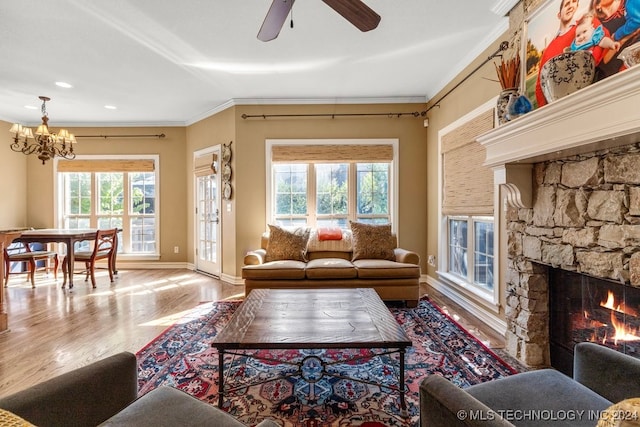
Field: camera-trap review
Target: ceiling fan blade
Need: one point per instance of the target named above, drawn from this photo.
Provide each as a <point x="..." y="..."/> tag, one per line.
<point x="274" y="20"/>
<point x="356" y="12"/>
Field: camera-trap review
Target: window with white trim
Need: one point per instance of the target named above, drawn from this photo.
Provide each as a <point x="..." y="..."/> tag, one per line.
<point x="467" y="208"/>
<point x="329" y="185"/>
<point x="112" y="193"/>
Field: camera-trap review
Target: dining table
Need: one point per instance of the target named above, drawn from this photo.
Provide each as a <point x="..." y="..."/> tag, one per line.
<point x="67" y="236"/>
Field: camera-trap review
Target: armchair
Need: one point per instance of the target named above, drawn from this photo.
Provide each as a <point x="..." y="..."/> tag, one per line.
<point x="106" y="393"/>
<point x="601" y="377"/>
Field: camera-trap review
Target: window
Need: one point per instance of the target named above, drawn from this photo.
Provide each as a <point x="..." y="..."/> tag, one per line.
<point x="467" y="197"/>
<point x="323" y="185"/>
<point x="470" y="250"/>
<point x="103" y="197"/>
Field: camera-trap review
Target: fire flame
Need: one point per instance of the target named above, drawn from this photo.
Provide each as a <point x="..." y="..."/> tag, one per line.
<point x="622" y="332"/>
<point x="610" y="303"/>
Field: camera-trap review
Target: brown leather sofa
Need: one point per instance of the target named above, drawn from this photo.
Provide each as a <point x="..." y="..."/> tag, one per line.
<point x="330" y="265"/>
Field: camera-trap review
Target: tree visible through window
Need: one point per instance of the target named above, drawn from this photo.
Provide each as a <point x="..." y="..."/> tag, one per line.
<point x="331" y="194"/>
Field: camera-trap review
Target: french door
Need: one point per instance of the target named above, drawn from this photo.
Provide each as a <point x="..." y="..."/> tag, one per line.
<point x="207" y="218"/>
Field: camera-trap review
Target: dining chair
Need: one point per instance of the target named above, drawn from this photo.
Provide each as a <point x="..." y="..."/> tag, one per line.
<point x="104" y="245"/>
<point x="19" y="252"/>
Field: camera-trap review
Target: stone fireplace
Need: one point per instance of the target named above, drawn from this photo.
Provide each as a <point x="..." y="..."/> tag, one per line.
<point x="570" y="175"/>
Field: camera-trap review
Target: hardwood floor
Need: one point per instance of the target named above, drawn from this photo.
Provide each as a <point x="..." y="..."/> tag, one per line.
<point x="52" y="331"/>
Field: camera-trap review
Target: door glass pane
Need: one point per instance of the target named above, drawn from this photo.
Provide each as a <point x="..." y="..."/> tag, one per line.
<point x="207" y="218"/>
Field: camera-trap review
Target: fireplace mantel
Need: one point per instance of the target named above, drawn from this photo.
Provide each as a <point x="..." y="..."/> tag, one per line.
<point x="603" y="115"/>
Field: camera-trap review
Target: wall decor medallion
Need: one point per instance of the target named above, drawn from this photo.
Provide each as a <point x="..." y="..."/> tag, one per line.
<point x="227" y="191"/>
<point x="226" y="153"/>
<point x="226" y="171"/>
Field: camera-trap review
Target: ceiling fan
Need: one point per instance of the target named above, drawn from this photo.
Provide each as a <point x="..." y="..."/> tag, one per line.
<point x="354" y="11"/>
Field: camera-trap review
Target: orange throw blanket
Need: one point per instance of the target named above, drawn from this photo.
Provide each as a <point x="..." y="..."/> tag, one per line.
<point x="326" y="233"/>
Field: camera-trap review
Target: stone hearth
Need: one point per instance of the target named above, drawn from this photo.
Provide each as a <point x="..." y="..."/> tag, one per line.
<point x="585" y="218"/>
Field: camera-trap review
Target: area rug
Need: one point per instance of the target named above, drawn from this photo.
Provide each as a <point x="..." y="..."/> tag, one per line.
<point x="182" y="357"/>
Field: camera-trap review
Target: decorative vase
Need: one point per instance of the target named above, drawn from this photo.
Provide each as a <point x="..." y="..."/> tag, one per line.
<point x="503" y="101"/>
<point x="566" y="73"/>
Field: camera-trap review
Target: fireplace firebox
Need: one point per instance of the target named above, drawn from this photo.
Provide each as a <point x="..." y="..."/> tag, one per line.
<point x="584" y="308"/>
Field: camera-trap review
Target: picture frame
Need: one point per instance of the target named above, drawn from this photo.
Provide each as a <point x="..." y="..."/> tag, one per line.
<point x="542" y="29"/>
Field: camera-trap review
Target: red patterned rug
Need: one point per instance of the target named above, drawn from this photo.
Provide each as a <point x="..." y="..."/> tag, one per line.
<point x="182" y="357"/>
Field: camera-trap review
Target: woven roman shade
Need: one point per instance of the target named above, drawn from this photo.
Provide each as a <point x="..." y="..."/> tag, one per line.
<point x="202" y="164"/>
<point x="468" y="186"/>
<point x="331" y="153"/>
<point x="106" y="165"/>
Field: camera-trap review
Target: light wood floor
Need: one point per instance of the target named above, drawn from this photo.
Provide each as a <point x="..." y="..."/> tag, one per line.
<point x="52" y="331"/>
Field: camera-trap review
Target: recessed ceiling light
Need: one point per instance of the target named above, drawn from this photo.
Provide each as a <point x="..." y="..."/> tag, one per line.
<point x="31" y="107"/>
<point x="110" y="107"/>
<point x="64" y="85"/>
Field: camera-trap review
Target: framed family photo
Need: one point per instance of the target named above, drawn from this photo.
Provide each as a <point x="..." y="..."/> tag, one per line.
<point x="603" y="27"/>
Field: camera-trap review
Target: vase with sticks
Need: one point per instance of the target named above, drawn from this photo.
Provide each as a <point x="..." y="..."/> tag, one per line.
<point x="509" y="77"/>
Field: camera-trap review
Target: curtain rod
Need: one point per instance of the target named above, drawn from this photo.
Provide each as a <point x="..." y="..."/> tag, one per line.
<point x="333" y="115"/>
<point x="159" y="136"/>
<point x="503" y="46"/>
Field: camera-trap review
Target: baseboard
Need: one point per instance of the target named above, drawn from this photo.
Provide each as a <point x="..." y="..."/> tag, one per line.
<point x="151" y="265"/>
<point x="488" y="318"/>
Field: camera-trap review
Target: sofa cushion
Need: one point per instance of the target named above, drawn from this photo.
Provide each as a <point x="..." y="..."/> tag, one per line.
<point x="287" y="244"/>
<point x="167" y="406"/>
<point x="544" y="389"/>
<point x="330" y="268"/>
<point x="385" y="269"/>
<point x="372" y="241"/>
<point x="285" y="269"/>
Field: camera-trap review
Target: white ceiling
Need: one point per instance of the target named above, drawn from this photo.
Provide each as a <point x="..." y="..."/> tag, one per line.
<point x="169" y="62"/>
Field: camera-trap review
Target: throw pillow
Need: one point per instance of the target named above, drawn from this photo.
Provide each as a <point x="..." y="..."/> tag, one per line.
<point x="372" y="241"/>
<point x="9" y="419"/>
<point x="621" y="414"/>
<point x="287" y="245"/>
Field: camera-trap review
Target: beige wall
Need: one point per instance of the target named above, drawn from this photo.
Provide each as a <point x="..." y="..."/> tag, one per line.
<point x="215" y="130"/>
<point x="479" y="88"/>
<point x="13" y="182"/>
<point x="249" y="167"/>
<point x="173" y="201"/>
<point x="243" y="225"/>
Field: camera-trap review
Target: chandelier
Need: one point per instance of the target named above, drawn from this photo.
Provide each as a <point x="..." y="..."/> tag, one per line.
<point x="45" y="144"/>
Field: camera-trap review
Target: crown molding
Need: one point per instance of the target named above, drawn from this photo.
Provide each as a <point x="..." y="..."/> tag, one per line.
<point x="503" y="7"/>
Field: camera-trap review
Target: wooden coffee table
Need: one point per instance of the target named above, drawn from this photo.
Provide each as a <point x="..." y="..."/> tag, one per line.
<point x="313" y="319"/>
